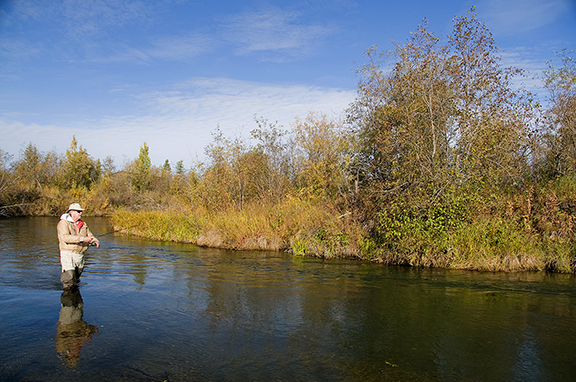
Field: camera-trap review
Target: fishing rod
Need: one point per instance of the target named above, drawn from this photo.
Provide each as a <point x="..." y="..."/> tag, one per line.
<point x="92" y="243"/>
<point x="117" y="230"/>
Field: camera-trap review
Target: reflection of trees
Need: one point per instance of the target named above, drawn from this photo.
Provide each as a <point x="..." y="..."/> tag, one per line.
<point x="291" y="314"/>
<point x="252" y="298"/>
<point x="16" y="240"/>
<point x="73" y="332"/>
<point x="397" y="324"/>
<point x="138" y="267"/>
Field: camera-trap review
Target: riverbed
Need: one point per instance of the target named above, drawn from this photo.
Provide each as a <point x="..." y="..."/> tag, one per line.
<point x="156" y="311"/>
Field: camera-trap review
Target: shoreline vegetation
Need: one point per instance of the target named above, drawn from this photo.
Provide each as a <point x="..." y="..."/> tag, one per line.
<point x="529" y="232"/>
<point x="439" y="162"/>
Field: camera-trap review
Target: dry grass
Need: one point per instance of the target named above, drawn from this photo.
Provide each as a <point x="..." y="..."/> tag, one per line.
<point x="311" y="225"/>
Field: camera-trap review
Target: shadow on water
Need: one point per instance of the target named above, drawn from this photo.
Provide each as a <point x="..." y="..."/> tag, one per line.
<point x="151" y="311"/>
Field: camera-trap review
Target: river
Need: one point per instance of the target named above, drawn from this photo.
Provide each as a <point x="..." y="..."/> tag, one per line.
<point x="154" y="311"/>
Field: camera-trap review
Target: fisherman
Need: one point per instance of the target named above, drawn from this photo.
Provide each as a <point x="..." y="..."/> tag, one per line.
<point x="74" y="238"/>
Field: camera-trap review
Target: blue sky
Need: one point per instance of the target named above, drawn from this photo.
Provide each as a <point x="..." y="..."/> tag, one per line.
<point x="117" y="73"/>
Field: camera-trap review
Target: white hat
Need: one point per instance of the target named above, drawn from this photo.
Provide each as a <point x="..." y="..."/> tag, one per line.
<point x="75" y="207"/>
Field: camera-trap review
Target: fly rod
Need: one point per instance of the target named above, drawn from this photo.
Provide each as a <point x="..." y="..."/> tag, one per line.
<point x="117" y="230"/>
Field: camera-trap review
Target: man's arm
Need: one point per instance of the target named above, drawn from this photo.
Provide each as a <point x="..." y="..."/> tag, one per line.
<point x="65" y="235"/>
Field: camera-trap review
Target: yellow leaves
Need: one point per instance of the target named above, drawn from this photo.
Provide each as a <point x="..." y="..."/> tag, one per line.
<point x="321" y="151"/>
<point x="561" y="117"/>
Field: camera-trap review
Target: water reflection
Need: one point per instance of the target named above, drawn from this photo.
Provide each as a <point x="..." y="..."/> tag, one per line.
<point x="73" y="332"/>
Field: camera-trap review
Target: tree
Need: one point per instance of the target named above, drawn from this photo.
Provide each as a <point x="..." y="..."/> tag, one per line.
<point x="443" y="116"/>
<point x="79" y="169"/>
<point x="494" y="120"/>
<point x="180" y="167"/>
<point x="404" y="117"/>
<point x="561" y="116"/>
<point x="108" y="166"/>
<point x="166" y="166"/>
<point x="36" y="169"/>
<point x="239" y="173"/>
<point x="217" y="188"/>
<point x="6" y="181"/>
<point x="141" y="171"/>
<point x="271" y="152"/>
<point x="321" y="156"/>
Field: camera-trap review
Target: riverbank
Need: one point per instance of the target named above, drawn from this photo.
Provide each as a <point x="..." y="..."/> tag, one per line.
<point x="522" y="231"/>
<point x="300" y="226"/>
<point x="308" y="228"/>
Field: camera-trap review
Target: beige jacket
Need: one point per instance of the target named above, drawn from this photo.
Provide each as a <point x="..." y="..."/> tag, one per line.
<point x="70" y="237"/>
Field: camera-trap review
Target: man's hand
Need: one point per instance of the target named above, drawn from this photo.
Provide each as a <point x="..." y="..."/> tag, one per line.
<point x="91" y="241"/>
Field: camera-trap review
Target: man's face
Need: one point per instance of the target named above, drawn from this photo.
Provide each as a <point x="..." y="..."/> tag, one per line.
<point x="75" y="215"/>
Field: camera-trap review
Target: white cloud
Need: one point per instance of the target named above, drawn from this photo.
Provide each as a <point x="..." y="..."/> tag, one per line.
<point x="278" y="33"/>
<point x="106" y="31"/>
<point x="90" y="17"/>
<point x="518" y="16"/>
<point x="17" y="50"/>
<point x="173" y="48"/>
<point x="178" y="122"/>
<point x="181" y="47"/>
<point x="71" y="30"/>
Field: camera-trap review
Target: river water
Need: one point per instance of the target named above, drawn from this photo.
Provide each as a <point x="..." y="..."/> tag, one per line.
<point x="153" y="311"/>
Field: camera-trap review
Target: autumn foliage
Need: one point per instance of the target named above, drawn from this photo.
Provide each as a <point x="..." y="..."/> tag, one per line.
<point x="441" y="160"/>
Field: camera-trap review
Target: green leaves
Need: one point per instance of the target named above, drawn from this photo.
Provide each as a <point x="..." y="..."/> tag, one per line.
<point x="141" y="172"/>
<point x="561" y="117"/>
<point x="79" y="169"/>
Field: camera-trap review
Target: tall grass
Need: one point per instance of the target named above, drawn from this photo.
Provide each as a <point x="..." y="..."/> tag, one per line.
<point x="304" y="226"/>
<point x="156" y="224"/>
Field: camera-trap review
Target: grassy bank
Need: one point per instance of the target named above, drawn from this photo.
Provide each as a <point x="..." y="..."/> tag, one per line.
<point x="527" y="232"/>
<point x="302" y="226"/>
<point x="487" y="244"/>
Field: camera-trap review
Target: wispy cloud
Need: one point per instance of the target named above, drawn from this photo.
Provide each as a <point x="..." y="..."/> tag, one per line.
<point x="111" y="31"/>
<point x="69" y="30"/>
<point x="176" y="123"/>
<point x="95" y="17"/>
<point x="171" y="48"/>
<point x="17" y="50"/>
<point x="275" y="34"/>
<point x="519" y="16"/>
<point x="182" y="47"/>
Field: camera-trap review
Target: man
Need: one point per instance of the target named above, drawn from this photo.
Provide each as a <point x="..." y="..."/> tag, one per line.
<point x="74" y="238"/>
